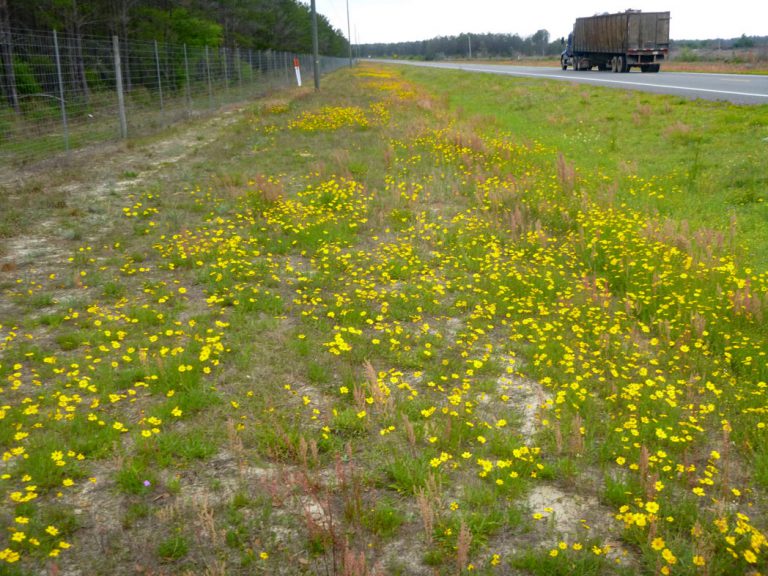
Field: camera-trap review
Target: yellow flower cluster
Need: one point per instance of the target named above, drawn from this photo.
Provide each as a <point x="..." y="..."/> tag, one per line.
<point x="330" y="118"/>
<point x="618" y="321"/>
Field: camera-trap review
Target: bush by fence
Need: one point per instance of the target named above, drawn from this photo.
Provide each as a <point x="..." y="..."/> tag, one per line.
<point x="61" y="92"/>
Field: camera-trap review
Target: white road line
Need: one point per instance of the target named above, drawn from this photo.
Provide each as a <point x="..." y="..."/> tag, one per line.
<point x="665" y="86"/>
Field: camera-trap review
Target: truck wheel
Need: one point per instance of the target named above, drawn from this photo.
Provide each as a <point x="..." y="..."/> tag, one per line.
<point x="563" y="63"/>
<point x="621" y="64"/>
<point x="614" y="67"/>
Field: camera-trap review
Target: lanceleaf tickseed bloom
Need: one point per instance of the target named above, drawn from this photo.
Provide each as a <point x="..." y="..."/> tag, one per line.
<point x="330" y="118"/>
<point x="668" y="556"/>
<point x="652" y="507"/>
<point x="9" y="556"/>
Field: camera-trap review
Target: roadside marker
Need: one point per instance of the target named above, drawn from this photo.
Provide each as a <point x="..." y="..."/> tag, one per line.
<point x="297" y="67"/>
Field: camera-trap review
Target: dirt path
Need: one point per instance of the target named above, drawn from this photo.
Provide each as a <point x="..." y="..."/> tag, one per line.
<point x="57" y="207"/>
<point x="86" y="188"/>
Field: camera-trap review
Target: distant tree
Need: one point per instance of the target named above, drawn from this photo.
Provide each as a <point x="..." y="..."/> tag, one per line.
<point x="744" y="42"/>
<point x="6" y="58"/>
<point x="73" y="17"/>
<point x="540" y="41"/>
<point x="177" y="26"/>
<point x="119" y="17"/>
<point x="485" y="45"/>
<point x="262" y="24"/>
<point x="517" y="45"/>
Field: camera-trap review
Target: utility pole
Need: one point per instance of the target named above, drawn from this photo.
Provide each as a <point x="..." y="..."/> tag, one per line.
<point x="349" y="35"/>
<point x="469" y="42"/>
<point x="315" y="48"/>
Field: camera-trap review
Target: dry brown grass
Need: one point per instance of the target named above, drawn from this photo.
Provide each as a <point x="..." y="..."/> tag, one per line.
<point x="718" y="67"/>
<point x="750" y="63"/>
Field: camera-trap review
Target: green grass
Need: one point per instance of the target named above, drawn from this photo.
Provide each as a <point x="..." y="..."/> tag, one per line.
<point x="136" y="512"/>
<point x="178" y="448"/>
<point x="406" y="474"/>
<point x="135" y="478"/>
<point x="173" y="549"/>
<point x="582" y="563"/>
<point x="384" y="519"/>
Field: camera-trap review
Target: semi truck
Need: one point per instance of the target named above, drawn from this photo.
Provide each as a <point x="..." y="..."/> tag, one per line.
<point x="618" y="42"/>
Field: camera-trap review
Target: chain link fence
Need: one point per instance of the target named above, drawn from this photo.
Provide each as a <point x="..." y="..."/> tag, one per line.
<point x="62" y="92"/>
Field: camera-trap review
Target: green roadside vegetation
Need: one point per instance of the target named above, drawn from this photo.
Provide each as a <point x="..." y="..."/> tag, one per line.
<point x="706" y="159"/>
<point x="420" y="322"/>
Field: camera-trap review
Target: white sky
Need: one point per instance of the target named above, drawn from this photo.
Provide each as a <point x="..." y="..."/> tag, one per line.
<point x="405" y="20"/>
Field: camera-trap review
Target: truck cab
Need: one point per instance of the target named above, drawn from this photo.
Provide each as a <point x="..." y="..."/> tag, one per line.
<point x="567" y="54"/>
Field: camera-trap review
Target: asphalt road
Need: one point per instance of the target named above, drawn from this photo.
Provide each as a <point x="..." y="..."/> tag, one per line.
<point x="736" y="88"/>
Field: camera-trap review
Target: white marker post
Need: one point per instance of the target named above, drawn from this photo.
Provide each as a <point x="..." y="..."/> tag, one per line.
<point x="297" y="67"/>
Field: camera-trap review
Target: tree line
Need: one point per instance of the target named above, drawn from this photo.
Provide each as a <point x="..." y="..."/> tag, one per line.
<point x="259" y="24"/>
<point x="487" y="45"/>
<point x="277" y="25"/>
<point x="743" y="41"/>
<point x="514" y="45"/>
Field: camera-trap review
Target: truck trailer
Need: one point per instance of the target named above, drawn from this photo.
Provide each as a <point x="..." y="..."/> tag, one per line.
<point x="618" y="42"/>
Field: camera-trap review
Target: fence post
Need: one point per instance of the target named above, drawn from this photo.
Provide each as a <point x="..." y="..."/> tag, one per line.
<point x="288" y="70"/>
<point x="159" y="79"/>
<point x="119" y="87"/>
<point x="61" y="92"/>
<point x="239" y="72"/>
<point x="187" y="87"/>
<point x="226" y="72"/>
<point x="208" y="73"/>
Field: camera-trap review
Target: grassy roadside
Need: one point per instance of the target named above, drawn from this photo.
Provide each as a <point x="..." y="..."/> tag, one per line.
<point x="363" y="334"/>
<point x="702" y="165"/>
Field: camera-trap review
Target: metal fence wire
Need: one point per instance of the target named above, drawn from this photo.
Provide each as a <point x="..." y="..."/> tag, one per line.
<point x="60" y="92"/>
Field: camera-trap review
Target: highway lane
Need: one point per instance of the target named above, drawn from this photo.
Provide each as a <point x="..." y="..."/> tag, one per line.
<point x="736" y="88"/>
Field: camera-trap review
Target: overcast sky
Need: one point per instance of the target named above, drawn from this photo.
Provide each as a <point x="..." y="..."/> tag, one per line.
<point x="404" y="20"/>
